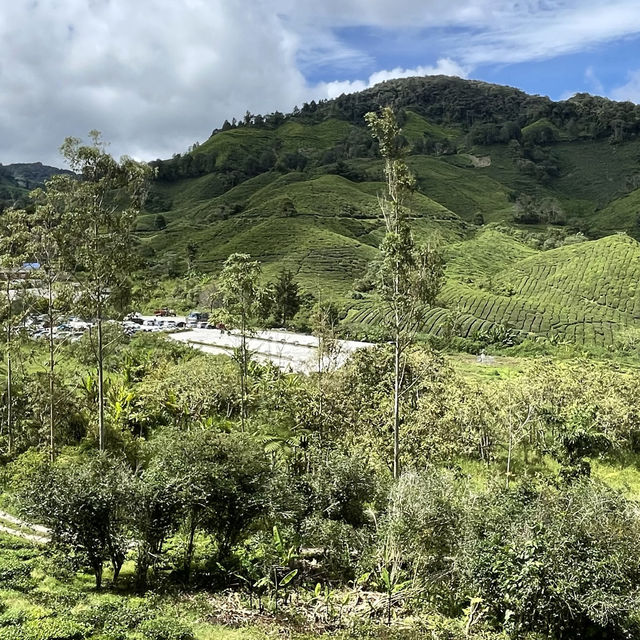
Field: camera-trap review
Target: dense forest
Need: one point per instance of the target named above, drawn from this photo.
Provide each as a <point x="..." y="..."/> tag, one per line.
<point x="471" y="472"/>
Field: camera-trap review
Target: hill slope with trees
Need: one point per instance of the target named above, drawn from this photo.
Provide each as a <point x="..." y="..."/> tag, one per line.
<point x="300" y="191"/>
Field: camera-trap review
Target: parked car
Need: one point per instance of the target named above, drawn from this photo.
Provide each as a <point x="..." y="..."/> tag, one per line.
<point x="196" y="318"/>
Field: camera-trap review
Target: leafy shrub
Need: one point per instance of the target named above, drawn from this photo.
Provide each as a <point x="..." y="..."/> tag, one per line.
<point x="165" y="629"/>
<point x="12" y="616"/>
<point x="344" y="548"/>
<point x="15" y="572"/>
<point x="421" y="528"/>
<point x="12" y="633"/>
<point x="54" y="629"/>
<point x="113" y="616"/>
<point x="343" y="485"/>
<point x="555" y="561"/>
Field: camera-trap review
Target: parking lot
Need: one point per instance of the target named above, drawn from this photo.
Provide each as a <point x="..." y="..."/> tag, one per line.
<point x="295" y="352"/>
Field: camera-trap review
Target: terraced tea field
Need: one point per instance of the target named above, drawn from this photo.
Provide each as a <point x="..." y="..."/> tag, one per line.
<point x="585" y="293"/>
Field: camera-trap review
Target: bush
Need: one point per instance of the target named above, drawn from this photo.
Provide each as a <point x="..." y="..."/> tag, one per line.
<point x="343" y="486"/>
<point x="54" y="629"/>
<point x="421" y="527"/>
<point x="555" y="561"/>
<point x="113" y="616"/>
<point x="15" y="572"/>
<point x="165" y="629"/>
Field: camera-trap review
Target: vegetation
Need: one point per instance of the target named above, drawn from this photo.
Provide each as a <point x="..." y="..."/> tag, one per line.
<point x="151" y="491"/>
<point x="299" y="193"/>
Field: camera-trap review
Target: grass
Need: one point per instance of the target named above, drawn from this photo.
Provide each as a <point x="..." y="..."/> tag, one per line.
<point x="40" y="599"/>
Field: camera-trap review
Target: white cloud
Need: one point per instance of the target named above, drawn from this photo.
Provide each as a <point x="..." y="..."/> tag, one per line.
<point x="156" y="75"/>
<point x="593" y="80"/>
<point x="536" y="30"/>
<point x="630" y="90"/>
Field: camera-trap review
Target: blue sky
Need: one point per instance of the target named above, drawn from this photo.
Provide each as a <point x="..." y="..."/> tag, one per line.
<point x="599" y="68"/>
<point x="155" y="76"/>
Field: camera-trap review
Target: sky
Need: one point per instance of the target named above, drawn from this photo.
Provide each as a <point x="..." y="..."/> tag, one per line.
<point x="155" y="76"/>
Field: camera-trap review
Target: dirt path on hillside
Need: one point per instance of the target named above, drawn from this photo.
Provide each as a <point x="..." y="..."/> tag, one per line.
<point x="22" y="529"/>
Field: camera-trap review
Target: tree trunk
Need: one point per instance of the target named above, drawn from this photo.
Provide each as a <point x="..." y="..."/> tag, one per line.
<point x="101" y="430"/>
<point x="9" y="403"/>
<point x="396" y="409"/>
<point x="189" y="556"/>
<point x="9" y="374"/>
<point x="97" y="572"/>
<point x="143" y="562"/>
<point x="243" y="374"/>
<point x="52" y="451"/>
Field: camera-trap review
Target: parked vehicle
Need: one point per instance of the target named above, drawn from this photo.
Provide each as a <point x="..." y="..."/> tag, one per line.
<point x="196" y="318"/>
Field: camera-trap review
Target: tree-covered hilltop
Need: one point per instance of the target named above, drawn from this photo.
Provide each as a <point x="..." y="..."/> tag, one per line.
<point x="16" y="180"/>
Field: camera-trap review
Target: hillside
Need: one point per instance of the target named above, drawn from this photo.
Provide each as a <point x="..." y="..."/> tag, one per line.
<point x="300" y="190"/>
<point x="16" y="180"/>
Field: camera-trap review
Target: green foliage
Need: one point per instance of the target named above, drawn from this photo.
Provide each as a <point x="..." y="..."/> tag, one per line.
<point x="84" y="503"/>
<point x="286" y="298"/>
<point x="343" y="487"/>
<point x="226" y="196"/>
<point x="421" y="527"/>
<point x="553" y="561"/>
<point x="165" y="629"/>
<point x="220" y="484"/>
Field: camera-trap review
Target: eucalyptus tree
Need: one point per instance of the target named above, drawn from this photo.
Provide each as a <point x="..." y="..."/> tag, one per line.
<point x="100" y="202"/>
<point x="13" y="253"/>
<point x="410" y="276"/>
<point x="44" y="226"/>
<point x="238" y="284"/>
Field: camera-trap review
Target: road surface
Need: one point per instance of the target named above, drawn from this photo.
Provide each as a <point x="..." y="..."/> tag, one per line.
<point x="295" y="352"/>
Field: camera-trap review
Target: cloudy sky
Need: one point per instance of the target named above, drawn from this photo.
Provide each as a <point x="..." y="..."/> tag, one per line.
<point x="157" y="75"/>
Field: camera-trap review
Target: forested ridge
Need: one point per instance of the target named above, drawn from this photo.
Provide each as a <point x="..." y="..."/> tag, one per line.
<point x="469" y="472"/>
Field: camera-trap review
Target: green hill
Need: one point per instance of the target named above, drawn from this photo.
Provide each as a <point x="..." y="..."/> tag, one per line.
<point x="301" y="190"/>
<point x="584" y="292"/>
<point x="16" y="180"/>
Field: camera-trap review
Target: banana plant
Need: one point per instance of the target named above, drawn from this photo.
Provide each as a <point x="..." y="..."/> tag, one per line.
<point x="389" y="580"/>
<point x="275" y="579"/>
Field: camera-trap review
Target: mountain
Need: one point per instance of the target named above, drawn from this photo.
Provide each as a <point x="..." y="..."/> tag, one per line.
<point x="518" y="188"/>
<point x="16" y="180"/>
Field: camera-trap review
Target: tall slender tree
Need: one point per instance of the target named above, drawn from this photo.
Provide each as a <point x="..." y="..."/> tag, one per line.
<point x="101" y="203"/>
<point x="410" y="276"/>
<point x="13" y="252"/>
<point x="46" y="239"/>
<point x="239" y="289"/>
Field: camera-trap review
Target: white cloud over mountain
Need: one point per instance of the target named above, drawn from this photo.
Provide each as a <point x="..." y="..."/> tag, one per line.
<point x="156" y="75"/>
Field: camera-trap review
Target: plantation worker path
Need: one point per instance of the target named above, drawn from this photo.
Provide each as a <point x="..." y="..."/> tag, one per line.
<point x="22" y="529"/>
<point x="295" y="352"/>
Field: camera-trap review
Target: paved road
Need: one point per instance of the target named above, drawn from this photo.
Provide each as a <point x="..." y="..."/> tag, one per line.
<point x="296" y="352"/>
